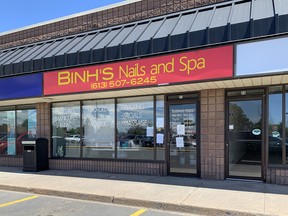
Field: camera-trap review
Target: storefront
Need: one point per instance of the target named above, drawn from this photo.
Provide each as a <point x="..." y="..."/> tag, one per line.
<point x="154" y="128"/>
<point x="215" y="112"/>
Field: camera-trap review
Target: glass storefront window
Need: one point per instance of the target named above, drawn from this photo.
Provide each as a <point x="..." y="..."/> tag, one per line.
<point x="286" y="127"/>
<point x="3" y="132"/>
<point x="89" y="131"/>
<point x="160" y="132"/>
<point x="98" y="118"/>
<point x="16" y="125"/>
<point x="135" y="133"/>
<point x="275" y="125"/>
<point x="7" y="141"/>
<point x="66" y="129"/>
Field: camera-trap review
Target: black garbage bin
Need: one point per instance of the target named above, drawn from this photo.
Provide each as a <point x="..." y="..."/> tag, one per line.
<point x="35" y="154"/>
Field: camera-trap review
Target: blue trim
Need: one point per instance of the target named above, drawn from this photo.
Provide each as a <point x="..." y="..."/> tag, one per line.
<point x="21" y="86"/>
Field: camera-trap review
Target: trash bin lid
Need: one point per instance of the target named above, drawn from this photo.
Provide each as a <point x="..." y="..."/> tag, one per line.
<point x="27" y="142"/>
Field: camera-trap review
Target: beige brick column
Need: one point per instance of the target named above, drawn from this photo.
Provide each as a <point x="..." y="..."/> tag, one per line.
<point x="43" y="121"/>
<point x="212" y="134"/>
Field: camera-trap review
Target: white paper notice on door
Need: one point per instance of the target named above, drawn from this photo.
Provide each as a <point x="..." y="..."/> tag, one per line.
<point x="180" y="129"/>
<point x="160" y="122"/>
<point x="160" y="138"/>
<point x="179" y="142"/>
<point x="149" y="131"/>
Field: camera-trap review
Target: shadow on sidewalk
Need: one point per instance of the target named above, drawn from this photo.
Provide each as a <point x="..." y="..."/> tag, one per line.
<point x="235" y="185"/>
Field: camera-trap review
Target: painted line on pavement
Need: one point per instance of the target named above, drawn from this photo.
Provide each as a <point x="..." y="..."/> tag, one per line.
<point x="139" y="212"/>
<point x="18" y="201"/>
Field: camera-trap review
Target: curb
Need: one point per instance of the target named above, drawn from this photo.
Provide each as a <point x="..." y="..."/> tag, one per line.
<point x="132" y="202"/>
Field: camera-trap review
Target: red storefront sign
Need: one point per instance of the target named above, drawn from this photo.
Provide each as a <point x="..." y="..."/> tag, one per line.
<point x="182" y="67"/>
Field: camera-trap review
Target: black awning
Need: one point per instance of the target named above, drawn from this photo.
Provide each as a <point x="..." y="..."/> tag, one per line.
<point x="219" y="23"/>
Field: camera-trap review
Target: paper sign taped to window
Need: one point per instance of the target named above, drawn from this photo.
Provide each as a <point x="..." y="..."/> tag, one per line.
<point x="160" y="138"/>
<point x="179" y="142"/>
<point x="181" y="129"/>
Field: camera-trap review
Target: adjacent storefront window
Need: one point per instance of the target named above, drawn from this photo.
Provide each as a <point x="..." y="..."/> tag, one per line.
<point x="98" y="129"/>
<point x="160" y="132"/>
<point x="66" y="129"/>
<point x="135" y="121"/>
<point x="285" y="145"/>
<point x="121" y="128"/>
<point x="275" y="127"/>
<point x="16" y="125"/>
<point x="278" y="125"/>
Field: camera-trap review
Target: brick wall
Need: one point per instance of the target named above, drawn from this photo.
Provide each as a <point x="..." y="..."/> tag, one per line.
<point x="277" y="176"/>
<point x="114" y="16"/>
<point x="11" y="161"/>
<point x="43" y="121"/>
<point x="110" y="166"/>
<point x="212" y="134"/>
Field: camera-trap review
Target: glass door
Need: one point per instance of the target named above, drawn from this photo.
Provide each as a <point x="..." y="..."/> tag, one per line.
<point x="245" y="139"/>
<point x="182" y="138"/>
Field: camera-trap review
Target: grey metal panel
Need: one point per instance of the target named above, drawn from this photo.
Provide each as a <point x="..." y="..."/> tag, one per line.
<point x="121" y="36"/>
<point x="241" y="13"/>
<point x="42" y="47"/>
<point x="58" y="48"/>
<point x="12" y="55"/>
<point x="150" y="30"/>
<point x="7" y="54"/>
<point x="29" y="53"/>
<point x="202" y="20"/>
<point x="221" y="16"/>
<point x="262" y="9"/>
<point x="135" y="34"/>
<point x="16" y="57"/>
<point x="2" y="54"/>
<point x="82" y="43"/>
<point x="94" y="41"/>
<point x="107" y="39"/>
<point x="167" y="27"/>
<point x="281" y="7"/>
<point x="69" y="46"/>
<point x="48" y="49"/>
<point x="184" y="24"/>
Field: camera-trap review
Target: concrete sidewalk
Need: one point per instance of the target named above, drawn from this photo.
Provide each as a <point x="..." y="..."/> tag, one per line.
<point x="190" y="195"/>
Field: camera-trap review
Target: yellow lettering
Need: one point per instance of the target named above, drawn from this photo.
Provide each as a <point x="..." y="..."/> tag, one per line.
<point x="88" y="75"/>
<point x="64" y="78"/>
<point x="169" y="68"/>
<point x="153" y="70"/>
<point x="125" y="72"/>
<point x="78" y="76"/>
<point x="188" y="65"/>
<point x="108" y="72"/>
<point x="183" y="63"/>
<point x="201" y="63"/>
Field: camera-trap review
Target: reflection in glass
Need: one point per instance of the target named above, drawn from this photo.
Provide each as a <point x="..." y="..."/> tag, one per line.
<point x="275" y="128"/>
<point x="98" y="128"/>
<point x="245" y="138"/>
<point x="183" y="145"/>
<point x="26" y="126"/>
<point x="3" y="132"/>
<point x="160" y="151"/>
<point x="135" y="133"/>
<point x="7" y="130"/>
<point x="66" y="129"/>
<point x="13" y="131"/>
<point x="286" y="128"/>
